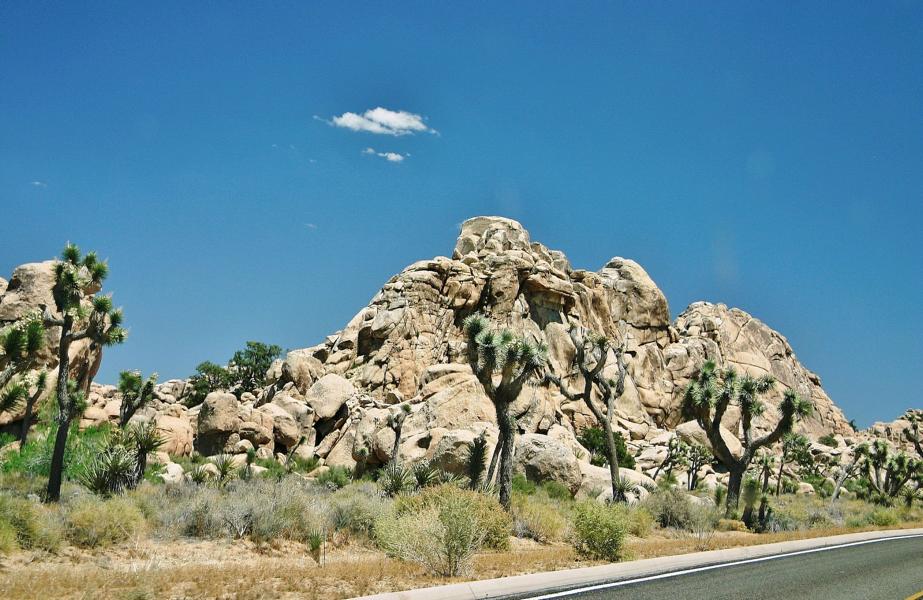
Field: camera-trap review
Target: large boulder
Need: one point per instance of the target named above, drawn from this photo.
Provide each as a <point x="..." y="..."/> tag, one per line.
<point x="541" y="458"/>
<point x="691" y="433"/>
<point x="217" y="421"/>
<point x="177" y="434"/>
<point x="286" y="432"/>
<point x="328" y="394"/>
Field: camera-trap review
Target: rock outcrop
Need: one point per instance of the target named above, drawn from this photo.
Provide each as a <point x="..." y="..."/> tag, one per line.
<point x="334" y="400"/>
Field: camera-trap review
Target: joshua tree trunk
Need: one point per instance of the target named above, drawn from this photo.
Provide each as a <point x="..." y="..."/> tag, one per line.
<point x="27" y="418"/>
<point x="779" y="478"/>
<point x="734" y="482"/>
<point x="491" y="470"/>
<point x="65" y="413"/>
<point x="397" y="443"/>
<point x="505" y="475"/>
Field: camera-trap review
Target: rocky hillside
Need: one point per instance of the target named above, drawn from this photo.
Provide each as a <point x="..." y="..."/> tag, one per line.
<point x="406" y="348"/>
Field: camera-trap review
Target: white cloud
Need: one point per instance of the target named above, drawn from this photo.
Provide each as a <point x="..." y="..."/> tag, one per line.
<point x="311" y="226"/>
<point x="388" y="156"/>
<point x="40" y="184"/>
<point x="381" y="121"/>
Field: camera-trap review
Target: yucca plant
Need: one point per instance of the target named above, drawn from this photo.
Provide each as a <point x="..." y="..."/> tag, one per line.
<point x="750" y="496"/>
<point x="111" y="472"/>
<point x="24" y="390"/>
<point x="395" y="479"/>
<point x="707" y="398"/>
<point x="719" y="494"/>
<point x="503" y="362"/>
<point x="476" y="461"/>
<point x="592" y="353"/>
<point x="81" y="315"/>
<point x="143" y="438"/>
<point x="225" y="465"/>
<point x="424" y="473"/>
<point x="623" y="488"/>
<point x="199" y="474"/>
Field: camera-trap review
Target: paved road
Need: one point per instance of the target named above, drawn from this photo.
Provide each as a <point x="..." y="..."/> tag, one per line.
<point x="887" y="570"/>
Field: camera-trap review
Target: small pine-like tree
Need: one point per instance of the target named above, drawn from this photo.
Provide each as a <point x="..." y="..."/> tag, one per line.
<point x="81" y="316"/>
<point x="476" y="461"/>
<point x="502" y="362"/>
<point x="795" y="447"/>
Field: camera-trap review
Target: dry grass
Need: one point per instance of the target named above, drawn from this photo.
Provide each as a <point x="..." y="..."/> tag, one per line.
<point x="239" y="569"/>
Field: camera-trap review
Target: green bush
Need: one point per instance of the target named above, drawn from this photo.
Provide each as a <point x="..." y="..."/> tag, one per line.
<point x="93" y="523"/>
<point x="594" y="440"/>
<point x="537" y="519"/>
<point x="489" y="515"/>
<point x="356" y="507"/>
<point x="335" y="477"/>
<point x="883" y="517"/>
<point x="599" y="530"/>
<point x="443" y="538"/>
<point x="828" y="440"/>
<point x="8" y="543"/>
<point x="670" y="508"/>
<point x="640" y="521"/>
<point x="556" y="490"/>
<point x="33" y="526"/>
<point x="523" y="485"/>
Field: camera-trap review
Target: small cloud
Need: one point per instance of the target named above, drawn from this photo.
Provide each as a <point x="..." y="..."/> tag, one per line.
<point x="310" y="226"/>
<point x="275" y="145"/>
<point x="39" y="184"/>
<point x="388" y="156"/>
<point x="381" y="121"/>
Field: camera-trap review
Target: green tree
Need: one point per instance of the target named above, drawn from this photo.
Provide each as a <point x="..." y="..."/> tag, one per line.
<point x="795" y="447"/>
<point x="208" y="378"/>
<point x="502" y="362"/>
<point x="82" y="315"/>
<point x="247" y="368"/>
<point x="848" y="470"/>
<point x="697" y="456"/>
<point x="594" y="440"/>
<point x="888" y="472"/>
<point x="707" y="398"/>
<point x="592" y="354"/>
<point x="136" y="393"/>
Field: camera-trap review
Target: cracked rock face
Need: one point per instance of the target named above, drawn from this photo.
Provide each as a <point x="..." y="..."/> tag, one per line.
<point x="408" y="344"/>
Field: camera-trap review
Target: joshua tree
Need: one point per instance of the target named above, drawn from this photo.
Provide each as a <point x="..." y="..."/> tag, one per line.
<point x="860" y="452"/>
<point x="136" y="392"/>
<point x="912" y="434"/>
<point x="396" y="422"/>
<point x="707" y="398"/>
<point x="765" y="463"/>
<point x="887" y="473"/>
<point x="794" y="447"/>
<point x="697" y="456"/>
<point x="83" y="316"/>
<point x="502" y="363"/>
<point x="592" y="353"/>
<point x="20" y="342"/>
<point x="676" y="453"/>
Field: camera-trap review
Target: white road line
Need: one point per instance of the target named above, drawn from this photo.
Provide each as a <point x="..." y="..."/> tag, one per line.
<point x="605" y="586"/>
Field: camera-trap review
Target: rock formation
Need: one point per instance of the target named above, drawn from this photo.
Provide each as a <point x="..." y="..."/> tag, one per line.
<point x="334" y="400"/>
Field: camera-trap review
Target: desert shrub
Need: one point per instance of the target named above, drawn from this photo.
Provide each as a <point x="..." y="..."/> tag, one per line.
<point x="883" y="517"/>
<point x="395" y="479"/>
<point x="93" y="523"/>
<point x="443" y="538"/>
<point x="640" y="521"/>
<point x="537" y="519"/>
<point x="670" y="508"/>
<point x="33" y="526"/>
<point x="599" y="530"/>
<point x="488" y="514"/>
<point x="556" y="490"/>
<point x="730" y="525"/>
<point x="828" y="440"/>
<point x="335" y="477"/>
<point x="523" y="485"/>
<point x="702" y="523"/>
<point x="111" y="472"/>
<point x="8" y="543"/>
<point x="821" y="485"/>
<point x="355" y="508"/>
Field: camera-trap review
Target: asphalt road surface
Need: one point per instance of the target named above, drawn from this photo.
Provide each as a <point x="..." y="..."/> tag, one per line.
<point x="890" y="569"/>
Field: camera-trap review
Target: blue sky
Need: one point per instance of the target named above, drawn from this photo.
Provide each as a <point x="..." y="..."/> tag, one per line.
<point x="766" y="157"/>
